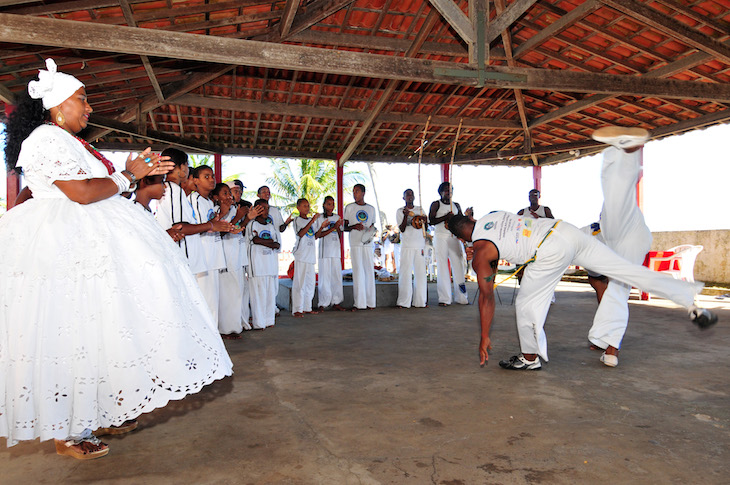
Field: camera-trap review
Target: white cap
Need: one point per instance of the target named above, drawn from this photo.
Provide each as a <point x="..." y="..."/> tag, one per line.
<point x="52" y="86"/>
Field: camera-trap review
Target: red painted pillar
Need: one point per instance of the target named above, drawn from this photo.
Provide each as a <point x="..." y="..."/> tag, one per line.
<point x="640" y="183"/>
<point x="218" y="167"/>
<point x="537" y="177"/>
<point x="340" y="203"/>
<point x="445" y="172"/>
<point x="13" y="179"/>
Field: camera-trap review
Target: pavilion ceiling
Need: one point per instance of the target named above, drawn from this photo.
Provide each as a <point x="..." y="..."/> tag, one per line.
<point x="527" y="80"/>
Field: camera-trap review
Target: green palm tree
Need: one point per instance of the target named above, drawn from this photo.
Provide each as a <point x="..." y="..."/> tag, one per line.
<point x="311" y="179"/>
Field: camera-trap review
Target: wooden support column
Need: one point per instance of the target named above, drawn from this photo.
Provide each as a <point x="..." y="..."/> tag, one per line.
<point x="13" y="179"/>
<point x="218" y="167"/>
<point x="537" y="177"/>
<point x="340" y="204"/>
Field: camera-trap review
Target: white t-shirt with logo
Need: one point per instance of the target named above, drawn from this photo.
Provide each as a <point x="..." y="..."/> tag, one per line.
<point x="232" y="245"/>
<point x="262" y="260"/>
<point x="516" y="237"/>
<point x="204" y="211"/>
<point x="304" y="249"/>
<point x="329" y="245"/>
<point x="411" y="238"/>
<point x="354" y="214"/>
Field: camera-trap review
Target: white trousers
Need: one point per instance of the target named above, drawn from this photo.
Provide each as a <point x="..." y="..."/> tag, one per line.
<point x="412" y="278"/>
<point x="263" y="300"/>
<point x="302" y="289"/>
<point x="363" y="276"/>
<point x="448" y="249"/>
<point x="245" y="299"/>
<point x="568" y="245"/>
<point x="329" y="285"/>
<point x="229" y="302"/>
<point x="209" y="282"/>
<point x="624" y="231"/>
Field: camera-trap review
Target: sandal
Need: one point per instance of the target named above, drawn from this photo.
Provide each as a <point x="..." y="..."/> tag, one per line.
<point x="123" y="428"/>
<point x="87" y="448"/>
<point x="231" y="336"/>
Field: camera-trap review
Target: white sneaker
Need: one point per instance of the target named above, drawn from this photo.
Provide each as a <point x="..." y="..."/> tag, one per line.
<point x="609" y="360"/>
<point x="621" y="137"/>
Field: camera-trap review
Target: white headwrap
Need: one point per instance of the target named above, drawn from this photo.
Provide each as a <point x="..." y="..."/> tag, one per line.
<point x="52" y="86"/>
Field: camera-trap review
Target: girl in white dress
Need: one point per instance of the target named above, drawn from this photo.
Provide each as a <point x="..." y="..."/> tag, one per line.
<point x="101" y="318"/>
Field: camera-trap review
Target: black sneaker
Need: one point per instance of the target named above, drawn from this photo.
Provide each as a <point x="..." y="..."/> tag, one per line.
<point x="702" y="317"/>
<point x="518" y="362"/>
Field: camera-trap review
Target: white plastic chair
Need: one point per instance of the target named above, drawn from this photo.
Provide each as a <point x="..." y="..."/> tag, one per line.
<point x="681" y="263"/>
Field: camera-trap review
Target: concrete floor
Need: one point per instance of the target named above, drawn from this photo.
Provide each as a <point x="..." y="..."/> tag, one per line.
<point x="397" y="396"/>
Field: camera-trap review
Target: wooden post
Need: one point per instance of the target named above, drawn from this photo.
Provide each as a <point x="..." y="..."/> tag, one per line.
<point x="537" y="177"/>
<point x="13" y="179"/>
<point x="340" y="204"/>
<point x="218" y="167"/>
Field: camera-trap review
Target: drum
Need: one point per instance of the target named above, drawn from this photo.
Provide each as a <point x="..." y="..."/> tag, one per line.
<point x="368" y="234"/>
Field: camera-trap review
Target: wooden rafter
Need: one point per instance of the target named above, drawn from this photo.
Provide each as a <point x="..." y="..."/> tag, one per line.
<point x="671" y="27"/>
<point x="129" y="16"/>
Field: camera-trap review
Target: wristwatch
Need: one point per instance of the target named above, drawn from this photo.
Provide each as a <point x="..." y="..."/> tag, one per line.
<point x="132" y="180"/>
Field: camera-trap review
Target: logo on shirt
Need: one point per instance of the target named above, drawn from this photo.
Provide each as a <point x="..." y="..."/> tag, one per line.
<point x="488" y="225"/>
<point x="265" y="235"/>
<point x="269" y="220"/>
<point x="310" y="232"/>
<point x="362" y="216"/>
<point x="211" y="214"/>
<point x="331" y="225"/>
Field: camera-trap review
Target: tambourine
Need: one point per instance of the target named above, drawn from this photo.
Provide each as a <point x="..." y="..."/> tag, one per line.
<point x="368" y="234"/>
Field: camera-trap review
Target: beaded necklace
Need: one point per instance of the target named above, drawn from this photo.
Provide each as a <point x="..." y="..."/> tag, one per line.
<point x="109" y="166"/>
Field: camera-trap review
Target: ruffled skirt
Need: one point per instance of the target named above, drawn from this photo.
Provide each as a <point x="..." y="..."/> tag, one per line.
<point x="100" y="319"/>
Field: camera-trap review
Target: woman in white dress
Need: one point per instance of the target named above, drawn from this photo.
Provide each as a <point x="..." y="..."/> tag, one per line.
<point x="101" y="319"/>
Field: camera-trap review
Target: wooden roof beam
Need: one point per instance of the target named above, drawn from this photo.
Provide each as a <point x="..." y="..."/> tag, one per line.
<point x="519" y="99"/>
<point x="130" y="40"/>
<point x="551" y="30"/>
<point x="133" y="130"/>
<point x="129" y="17"/>
<point x="456" y="18"/>
<point x="506" y="18"/>
<point x="315" y="12"/>
<point x="670" y="27"/>
<point x="287" y="17"/>
<point x="389" y="89"/>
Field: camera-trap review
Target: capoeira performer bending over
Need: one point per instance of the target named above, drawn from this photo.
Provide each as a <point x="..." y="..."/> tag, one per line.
<point x="549" y="247"/>
<point x="622" y="229"/>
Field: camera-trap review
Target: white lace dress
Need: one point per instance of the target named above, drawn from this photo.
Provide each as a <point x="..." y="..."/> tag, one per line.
<point x="100" y="317"/>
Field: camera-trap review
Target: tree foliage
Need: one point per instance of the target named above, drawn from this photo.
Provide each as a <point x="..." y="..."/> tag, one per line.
<point x="311" y="179"/>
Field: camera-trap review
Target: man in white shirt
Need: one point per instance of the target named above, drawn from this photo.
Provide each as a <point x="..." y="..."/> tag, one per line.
<point x="305" y="257"/>
<point x="449" y="250"/>
<point x="547" y="247"/>
<point x="535" y="210"/>
<point x="359" y="221"/>
<point x="330" y="264"/>
<point x="412" y="259"/>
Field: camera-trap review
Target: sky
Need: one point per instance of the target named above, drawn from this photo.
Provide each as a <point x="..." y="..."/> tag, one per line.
<point x="685" y="179"/>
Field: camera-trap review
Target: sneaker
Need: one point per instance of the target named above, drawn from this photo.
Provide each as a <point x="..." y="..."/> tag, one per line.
<point x="609" y="360"/>
<point x="621" y="137"/>
<point x="518" y="362"/>
<point x="702" y="317"/>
